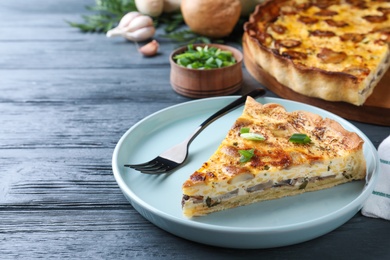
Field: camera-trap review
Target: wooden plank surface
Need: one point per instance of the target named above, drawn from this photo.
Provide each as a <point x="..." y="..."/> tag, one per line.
<point x="65" y="100"/>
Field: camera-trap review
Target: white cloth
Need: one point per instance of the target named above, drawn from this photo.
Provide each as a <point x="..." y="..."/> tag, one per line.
<point x="378" y="203"/>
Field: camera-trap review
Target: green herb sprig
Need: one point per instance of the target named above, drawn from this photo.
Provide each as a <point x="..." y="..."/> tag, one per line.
<point x="107" y="14"/>
<point x="171" y="22"/>
<point x="204" y="58"/>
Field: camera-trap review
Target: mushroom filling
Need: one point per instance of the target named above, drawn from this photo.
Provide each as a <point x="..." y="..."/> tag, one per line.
<point x="212" y="201"/>
<point x="301" y="181"/>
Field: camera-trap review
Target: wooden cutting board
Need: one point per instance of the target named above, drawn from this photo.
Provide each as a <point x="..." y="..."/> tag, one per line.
<point x="376" y="109"/>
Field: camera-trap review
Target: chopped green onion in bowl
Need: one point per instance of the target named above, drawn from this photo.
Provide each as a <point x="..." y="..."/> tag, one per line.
<point x="204" y="58"/>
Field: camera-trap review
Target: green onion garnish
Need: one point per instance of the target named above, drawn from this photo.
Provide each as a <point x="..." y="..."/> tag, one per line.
<point x="246" y="155"/>
<point x="300" y="138"/>
<point x="253" y="136"/>
<point x="204" y="58"/>
<point x="244" y="130"/>
<point x="245" y="133"/>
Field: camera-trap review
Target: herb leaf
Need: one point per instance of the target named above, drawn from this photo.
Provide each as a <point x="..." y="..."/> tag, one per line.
<point x="107" y="15"/>
<point x="245" y="133"/>
<point x="172" y="21"/>
<point x="244" y="130"/>
<point x="246" y="155"/>
<point x="300" y="138"/>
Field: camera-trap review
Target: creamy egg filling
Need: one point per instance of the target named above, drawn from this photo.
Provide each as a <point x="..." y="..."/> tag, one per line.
<point x="218" y="192"/>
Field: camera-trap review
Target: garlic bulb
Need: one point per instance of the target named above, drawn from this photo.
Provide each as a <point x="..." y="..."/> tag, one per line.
<point x="140" y="34"/>
<point x="139" y="22"/>
<point x="134" y="26"/>
<point x="127" y="18"/>
<point x="149" y="49"/>
<point x="150" y="7"/>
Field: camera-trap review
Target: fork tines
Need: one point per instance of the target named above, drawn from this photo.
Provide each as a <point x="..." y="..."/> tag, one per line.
<point x="155" y="166"/>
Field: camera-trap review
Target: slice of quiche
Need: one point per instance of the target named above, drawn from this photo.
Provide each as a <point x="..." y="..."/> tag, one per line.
<point x="336" y="50"/>
<point x="270" y="153"/>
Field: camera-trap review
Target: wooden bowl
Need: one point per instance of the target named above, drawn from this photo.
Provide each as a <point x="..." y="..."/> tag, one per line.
<point x="196" y="83"/>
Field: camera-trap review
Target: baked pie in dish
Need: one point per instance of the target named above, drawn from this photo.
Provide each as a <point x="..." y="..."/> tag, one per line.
<point x="335" y="50"/>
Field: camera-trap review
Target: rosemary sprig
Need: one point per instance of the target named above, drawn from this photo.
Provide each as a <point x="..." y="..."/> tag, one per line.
<point x="95" y="23"/>
<point x="107" y="15"/>
<point x="171" y="21"/>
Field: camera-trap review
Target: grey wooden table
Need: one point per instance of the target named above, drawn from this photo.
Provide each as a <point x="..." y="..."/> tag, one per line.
<point x="65" y="100"/>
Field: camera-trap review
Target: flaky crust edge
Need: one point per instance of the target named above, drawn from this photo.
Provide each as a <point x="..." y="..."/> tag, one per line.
<point x="351" y="141"/>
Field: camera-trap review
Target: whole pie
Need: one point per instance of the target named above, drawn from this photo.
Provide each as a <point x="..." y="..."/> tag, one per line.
<point x="271" y="153"/>
<point x="336" y="50"/>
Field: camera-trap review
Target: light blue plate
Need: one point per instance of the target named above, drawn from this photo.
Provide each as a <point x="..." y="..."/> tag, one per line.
<point x="261" y="225"/>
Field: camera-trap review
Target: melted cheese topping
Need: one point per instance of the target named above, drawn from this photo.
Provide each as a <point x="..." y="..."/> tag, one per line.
<point x="368" y="52"/>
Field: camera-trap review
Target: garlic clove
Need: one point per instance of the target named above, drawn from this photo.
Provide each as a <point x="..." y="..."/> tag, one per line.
<point x="128" y="18"/>
<point x="123" y="23"/>
<point x="149" y="49"/>
<point x="114" y="32"/>
<point x="138" y="23"/>
<point x="140" y="34"/>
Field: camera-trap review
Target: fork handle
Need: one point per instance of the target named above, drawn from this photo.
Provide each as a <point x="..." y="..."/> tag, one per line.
<point x="254" y="93"/>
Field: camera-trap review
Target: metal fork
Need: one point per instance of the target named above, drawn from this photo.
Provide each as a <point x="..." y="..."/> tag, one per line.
<point x="175" y="156"/>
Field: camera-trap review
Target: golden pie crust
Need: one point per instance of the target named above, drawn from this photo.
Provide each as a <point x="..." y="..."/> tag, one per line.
<point x="334" y="50"/>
